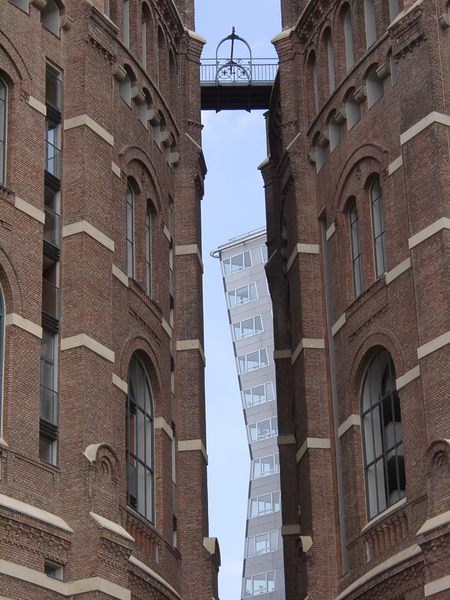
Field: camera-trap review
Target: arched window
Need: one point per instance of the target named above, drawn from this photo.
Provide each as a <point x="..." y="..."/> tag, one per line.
<point x="374" y="87"/>
<point x="392" y="68"/>
<point x="3" y="129"/>
<point x="330" y="63"/>
<point x="384" y="465"/>
<point x="379" y="242"/>
<point x="2" y="340"/>
<point x="353" y="110"/>
<point x="130" y="231"/>
<point x="126" y="84"/>
<point x="50" y="17"/>
<point x="394" y="9"/>
<point x="148" y="250"/>
<point x="140" y="445"/>
<point x="126" y="22"/>
<point x="313" y="82"/>
<point x="355" y="247"/>
<point x="334" y="132"/>
<point x="162" y="60"/>
<point x="348" y="37"/>
<point x="145" y="20"/>
<point x="370" y="22"/>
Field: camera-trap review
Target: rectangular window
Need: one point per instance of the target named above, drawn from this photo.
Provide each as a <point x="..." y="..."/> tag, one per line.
<point x="130" y="231"/>
<point x="148" y="252"/>
<point x="253" y="360"/>
<point x="264" y="252"/>
<point x="264" y="505"/>
<point x="126" y="22"/>
<point x="247" y="328"/>
<point x="237" y="263"/>
<point x="53" y="87"/>
<point x="3" y="130"/>
<point x="263" y="583"/>
<point x="258" y="394"/>
<point x="263" y="429"/>
<point x="262" y="544"/>
<point x="265" y="466"/>
<point x="242" y="295"/>
<point x="52" y="229"/>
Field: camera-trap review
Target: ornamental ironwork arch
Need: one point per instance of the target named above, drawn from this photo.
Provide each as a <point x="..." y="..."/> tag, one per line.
<point x="235" y="69"/>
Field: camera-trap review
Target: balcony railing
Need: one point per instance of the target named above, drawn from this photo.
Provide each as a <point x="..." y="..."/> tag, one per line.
<point x="50" y="299"/>
<point x="52" y="230"/>
<point x="259" y="71"/>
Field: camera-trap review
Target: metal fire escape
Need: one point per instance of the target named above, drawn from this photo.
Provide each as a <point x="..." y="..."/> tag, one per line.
<point x="236" y="83"/>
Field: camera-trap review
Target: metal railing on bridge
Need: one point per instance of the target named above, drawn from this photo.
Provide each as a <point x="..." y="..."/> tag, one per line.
<point x="234" y="83"/>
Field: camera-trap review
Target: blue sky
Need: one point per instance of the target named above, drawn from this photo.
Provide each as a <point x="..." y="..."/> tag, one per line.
<point x="234" y="145"/>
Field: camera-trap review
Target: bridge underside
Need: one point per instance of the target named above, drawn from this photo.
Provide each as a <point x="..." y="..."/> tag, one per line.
<point x="255" y="96"/>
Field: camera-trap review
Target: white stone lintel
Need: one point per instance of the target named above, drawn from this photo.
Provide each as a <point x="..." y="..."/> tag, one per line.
<point x="143" y="567"/>
<point x="330" y="231"/>
<point x="25" y="324"/>
<point x="427" y="232"/>
<point x="32" y="511"/>
<point x="120" y="275"/>
<point x="161" y="423"/>
<point x="302" y="249"/>
<point x="433" y="345"/>
<point x="407" y="377"/>
<point x="433" y="117"/>
<point x="307" y="343"/>
<point x="91" y="231"/>
<point x="339" y="324"/>
<point x="312" y="444"/>
<point x="29" y="209"/>
<point x="435" y="522"/>
<point x="395" y="165"/>
<point x="183" y="345"/>
<point x="37" y="105"/>
<point x="193" y="445"/>
<point x="86" y="120"/>
<point x="116" y="169"/>
<point x="82" y="339"/>
<point x="438" y="585"/>
<point x="398" y="270"/>
<point x="111" y="526"/>
<point x="351" y="421"/>
<point x="120" y="383"/>
<point x="189" y="249"/>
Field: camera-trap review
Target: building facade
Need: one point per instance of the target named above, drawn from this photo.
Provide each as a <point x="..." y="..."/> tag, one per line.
<point x="102" y="439"/>
<point x="250" y="316"/>
<point x="357" y="197"/>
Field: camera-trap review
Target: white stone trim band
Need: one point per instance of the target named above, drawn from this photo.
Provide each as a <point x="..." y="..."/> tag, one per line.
<point x="435" y="522"/>
<point x="140" y="565"/>
<point x="433" y="117"/>
<point x="90" y="230"/>
<point x="111" y="526"/>
<point x="183" y="345"/>
<point x="395" y="165"/>
<point x="29" y="209"/>
<point x="339" y="324"/>
<point x="167" y="233"/>
<point x="330" y="231"/>
<point x="34" y="512"/>
<point x="82" y="339"/>
<point x="161" y="423"/>
<point x="391" y="562"/>
<point x="351" y="421"/>
<point x="120" y="383"/>
<point x="37" y="105"/>
<point x="302" y="249"/>
<point x="421" y="236"/>
<point x="398" y="270"/>
<point x="120" y="275"/>
<point x="69" y="588"/>
<point x="189" y="249"/>
<point x="81" y="120"/>
<point x="434" y="345"/>
<point x="285" y="440"/>
<point x="167" y="327"/>
<point x="407" y="377"/>
<point x="116" y="169"/>
<point x="307" y="343"/>
<point x="436" y="586"/>
<point x="290" y="529"/>
<point x="192" y="445"/>
<point x="312" y="444"/>
<point x="25" y="324"/>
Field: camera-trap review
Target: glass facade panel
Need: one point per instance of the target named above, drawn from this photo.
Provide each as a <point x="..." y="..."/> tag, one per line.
<point x="237" y="263"/>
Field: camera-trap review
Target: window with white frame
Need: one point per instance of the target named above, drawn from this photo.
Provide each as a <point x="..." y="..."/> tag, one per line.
<point x="247" y="328"/>
<point x="264" y="504"/>
<point x="263" y="429"/>
<point x="265" y="466"/>
<point x="3" y="129"/>
<point x="379" y="242"/>
<point x="384" y="464"/>
<point x="355" y="247"/>
<point x="130" y="230"/>
<point x="242" y="295"/>
<point x="262" y="583"/>
<point x="258" y="394"/>
<point x="237" y="263"/>
<point x="253" y="360"/>
<point x="264" y="252"/>
<point x="263" y="543"/>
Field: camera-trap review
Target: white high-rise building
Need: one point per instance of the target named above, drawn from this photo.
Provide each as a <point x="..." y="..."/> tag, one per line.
<point x="250" y="316"/>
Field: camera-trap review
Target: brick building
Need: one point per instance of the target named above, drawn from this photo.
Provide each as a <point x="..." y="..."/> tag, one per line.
<point x="102" y="439"/>
<point x="357" y="194"/>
